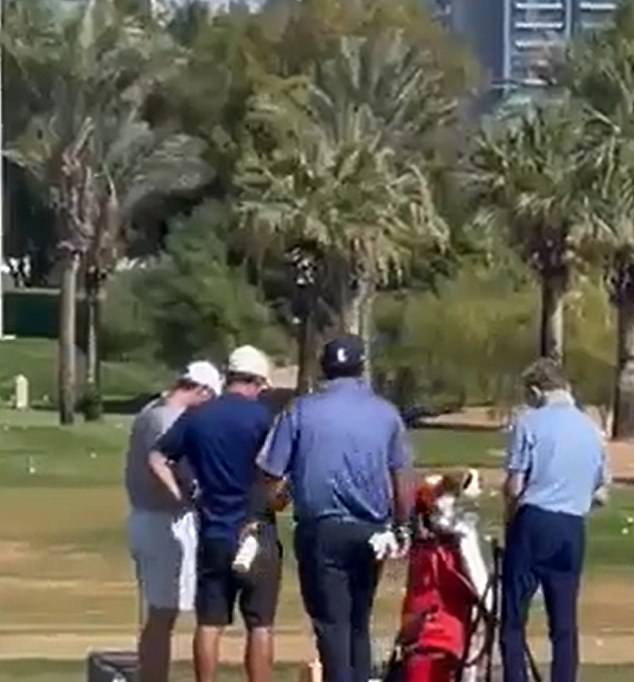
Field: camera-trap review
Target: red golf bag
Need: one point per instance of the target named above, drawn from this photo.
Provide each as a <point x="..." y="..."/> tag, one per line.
<point x="448" y="597"/>
<point x="437" y="613"/>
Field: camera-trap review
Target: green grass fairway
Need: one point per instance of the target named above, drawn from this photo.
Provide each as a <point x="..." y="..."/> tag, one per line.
<point x="455" y="448"/>
<point x="36" y="359"/>
<point x="36" y="452"/>
<point x="64" y="566"/>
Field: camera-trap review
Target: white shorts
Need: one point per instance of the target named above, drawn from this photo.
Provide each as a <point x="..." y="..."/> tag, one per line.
<point x="163" y="548"/>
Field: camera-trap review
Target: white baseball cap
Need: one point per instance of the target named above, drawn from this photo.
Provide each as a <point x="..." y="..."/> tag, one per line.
<point x="204" y="374"/>
<point x="251" y="361"/>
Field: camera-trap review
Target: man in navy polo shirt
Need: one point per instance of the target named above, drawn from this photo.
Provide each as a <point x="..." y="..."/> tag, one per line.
<point x="220" y="441"/>
<point x="344" y="450"/>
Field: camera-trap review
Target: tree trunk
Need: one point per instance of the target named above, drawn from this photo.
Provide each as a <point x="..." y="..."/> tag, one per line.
<point x="623" y="426"/>
<point x="357" y="317"/>
<point x="367" y="328"/>
<point x="93" y="358"/>
<point x="351" y="312"/>
<point x="67" y="339"/>
<point x="554" y="288"/>
<point x="306" y="340"/>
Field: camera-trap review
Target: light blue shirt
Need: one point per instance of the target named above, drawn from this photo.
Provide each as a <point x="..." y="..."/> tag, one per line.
<point x="560" y="451"/>
<point x="339" y="447"/>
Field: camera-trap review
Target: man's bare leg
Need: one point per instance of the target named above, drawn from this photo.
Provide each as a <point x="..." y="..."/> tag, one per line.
<point x="155" y="645"/>
<point x="206" y="650"/>
<point x="259" y="655"/>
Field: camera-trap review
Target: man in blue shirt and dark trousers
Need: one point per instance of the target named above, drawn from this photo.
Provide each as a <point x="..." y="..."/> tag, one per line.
<point x="221" y="441"/>
<point x="555" y="472"/>
<point x="344" y="450"/>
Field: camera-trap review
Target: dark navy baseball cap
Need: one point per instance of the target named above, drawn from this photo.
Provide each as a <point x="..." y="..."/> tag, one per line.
<point x="344" y="355"/>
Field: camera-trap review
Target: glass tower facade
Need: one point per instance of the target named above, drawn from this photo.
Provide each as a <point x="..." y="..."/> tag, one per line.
<point x="533" y="29"/>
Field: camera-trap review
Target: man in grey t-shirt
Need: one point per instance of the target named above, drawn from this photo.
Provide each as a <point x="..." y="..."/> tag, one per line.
<point x="163" y="534"/>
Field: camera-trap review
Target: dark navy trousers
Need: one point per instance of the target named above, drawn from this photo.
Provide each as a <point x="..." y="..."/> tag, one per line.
<point x="338" y="576"/>
<point x="542" y="549"/>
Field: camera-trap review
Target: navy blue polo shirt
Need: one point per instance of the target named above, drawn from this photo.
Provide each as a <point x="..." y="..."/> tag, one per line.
<point x="221" y="440"/>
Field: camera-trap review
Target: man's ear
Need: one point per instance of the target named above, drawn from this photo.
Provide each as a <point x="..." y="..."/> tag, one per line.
<point x="536" y="394"/>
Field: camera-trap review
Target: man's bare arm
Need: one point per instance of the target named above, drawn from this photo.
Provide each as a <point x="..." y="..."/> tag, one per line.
<point x="403" y="498"/>
<point x="276" y="491"/>
<point x="512" y="490"/>
<point x="161" y="468"/>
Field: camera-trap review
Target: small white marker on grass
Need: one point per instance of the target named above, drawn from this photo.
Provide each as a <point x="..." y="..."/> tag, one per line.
<point x="31" y="466"/>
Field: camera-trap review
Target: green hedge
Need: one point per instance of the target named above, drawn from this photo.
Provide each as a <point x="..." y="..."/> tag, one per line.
<point x="34" y="313"/>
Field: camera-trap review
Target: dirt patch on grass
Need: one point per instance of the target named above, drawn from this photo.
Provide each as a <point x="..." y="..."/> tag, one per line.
<point x="607" y="606"/>
<point x="78" y="588"/>
<point x="15" y="552"/>
<point x="290" y="648"/>
<point x="607" y="621"/>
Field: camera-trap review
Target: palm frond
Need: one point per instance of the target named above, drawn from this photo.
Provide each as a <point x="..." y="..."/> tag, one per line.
<point x="103" y="64"/>
<point x="535" y="174"/>
<point x="335" y="182"/>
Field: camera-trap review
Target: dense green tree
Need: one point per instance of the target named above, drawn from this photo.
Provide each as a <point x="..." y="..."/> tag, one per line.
<point x="530" y="178"/>
<point x="90" y="147"/>
<point x="337" y="176"/>
<point x="599" y="70"/>
<point x="468" y="344"/>
<point x="198" y="301"/>
<point x="234" y="56"/>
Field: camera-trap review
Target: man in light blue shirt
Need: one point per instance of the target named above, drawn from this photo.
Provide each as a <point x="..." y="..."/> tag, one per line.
<point x="344" y="450"/>
<point x="555" y="472"/>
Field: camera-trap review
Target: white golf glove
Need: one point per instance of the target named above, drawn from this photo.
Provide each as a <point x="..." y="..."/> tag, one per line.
<point x="391" y="544"/>
<point x="247" y="551"/>
<point x="384" y="545"/>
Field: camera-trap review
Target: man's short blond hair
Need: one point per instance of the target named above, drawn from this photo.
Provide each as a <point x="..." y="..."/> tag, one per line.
<point x="545" y="374"/>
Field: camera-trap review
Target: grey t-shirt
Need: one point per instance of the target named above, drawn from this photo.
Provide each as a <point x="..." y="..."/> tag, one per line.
<point x="144" y="490"/>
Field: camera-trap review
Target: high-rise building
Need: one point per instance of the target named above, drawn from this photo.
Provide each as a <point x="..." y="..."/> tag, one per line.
<point x="533" y="29"/>
<point x="513" y="39"/>
<point x="592" y="14"/>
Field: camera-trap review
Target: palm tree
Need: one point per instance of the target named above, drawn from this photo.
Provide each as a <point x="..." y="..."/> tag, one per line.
<point x="530" y="178"/>
<point x="341" y="175"/>
<point x="600" y="72"/>
<point x="612" y="213"/>
<point x="90" y="148"/>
